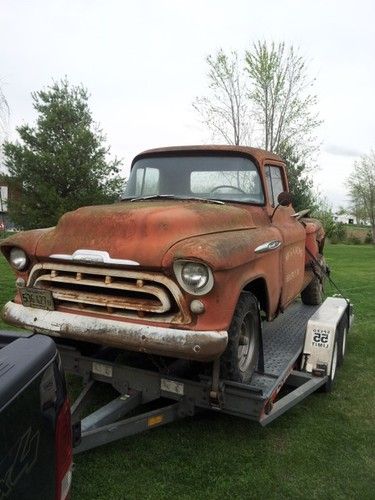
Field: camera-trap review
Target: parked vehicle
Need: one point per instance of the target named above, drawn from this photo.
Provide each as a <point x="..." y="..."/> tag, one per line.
<point x="35" y="424"/>
<point x="203" y="246"/>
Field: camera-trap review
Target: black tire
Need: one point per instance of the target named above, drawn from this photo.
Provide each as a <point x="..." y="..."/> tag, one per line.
<point x="313" y="294"/>
<point x="240" y="358"/>
<point x="328" y="386"/>
<point x="342" y="331"/>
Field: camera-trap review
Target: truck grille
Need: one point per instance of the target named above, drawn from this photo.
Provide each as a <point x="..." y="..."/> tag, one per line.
<point x="112" y="292"/>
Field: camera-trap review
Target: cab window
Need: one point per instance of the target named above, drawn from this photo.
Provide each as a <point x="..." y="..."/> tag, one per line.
<point x="275" y="183"/>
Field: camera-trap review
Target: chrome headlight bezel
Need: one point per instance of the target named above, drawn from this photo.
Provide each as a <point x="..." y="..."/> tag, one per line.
<point x="18" y="259"/>
<point x="180" y="268"/>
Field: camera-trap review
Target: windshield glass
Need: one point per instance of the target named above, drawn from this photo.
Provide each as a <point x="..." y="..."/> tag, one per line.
<point x="227" y="178"/>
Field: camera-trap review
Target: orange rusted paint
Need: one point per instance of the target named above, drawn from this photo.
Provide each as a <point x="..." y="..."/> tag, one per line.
<point x="227" y="237"/>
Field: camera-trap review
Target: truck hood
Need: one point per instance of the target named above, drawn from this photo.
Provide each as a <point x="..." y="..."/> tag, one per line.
<point x="140" y="231"/>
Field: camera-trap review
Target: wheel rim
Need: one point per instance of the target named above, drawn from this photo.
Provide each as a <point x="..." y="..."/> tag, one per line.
<point x="334" y="362"/>
<point x="246" y="344"/>
<point x="343" y="349"/>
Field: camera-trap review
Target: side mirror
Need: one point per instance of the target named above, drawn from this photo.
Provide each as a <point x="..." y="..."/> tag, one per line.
<point x="284" y="199"/>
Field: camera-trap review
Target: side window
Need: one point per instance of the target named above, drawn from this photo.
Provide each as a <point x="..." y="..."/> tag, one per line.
<point x="147" y="181"/>
<point x="275" y="185"/>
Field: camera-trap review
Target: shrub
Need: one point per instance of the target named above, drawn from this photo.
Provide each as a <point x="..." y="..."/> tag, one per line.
<point x="338" y="232"/>
<point x="368" y="238"/>
<point x="354" y="240"/>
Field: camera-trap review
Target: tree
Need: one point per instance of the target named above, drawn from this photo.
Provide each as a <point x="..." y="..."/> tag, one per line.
<point x="361" y="187"/>
<point x="225" y="110"/>
<point x="300" y="183"/>
<point x="267" y="100"/>
<point x="61" y="163"/>
<point x="283" y="106"/>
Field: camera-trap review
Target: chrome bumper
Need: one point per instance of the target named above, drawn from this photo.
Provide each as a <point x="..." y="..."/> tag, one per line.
<point x="188" y="344"/>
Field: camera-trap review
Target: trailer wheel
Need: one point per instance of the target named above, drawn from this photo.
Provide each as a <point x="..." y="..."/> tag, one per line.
<point x="313" y="294"/>
<point x="342" y="334"/>
<point x="240" y="358"/>
<point x="328" y="386"/>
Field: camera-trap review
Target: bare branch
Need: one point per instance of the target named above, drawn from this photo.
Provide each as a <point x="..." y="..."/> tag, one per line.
<point x="225" y="110"/>
<point x="279" y="90"/>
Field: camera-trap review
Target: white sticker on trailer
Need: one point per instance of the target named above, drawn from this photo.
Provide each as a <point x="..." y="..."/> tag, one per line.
<point x="172" y="386"/>
<point x="321" y="338"/>
<point x="101" y="369"/>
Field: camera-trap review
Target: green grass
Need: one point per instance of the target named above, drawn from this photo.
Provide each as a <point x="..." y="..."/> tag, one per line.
<point x="7" y="287"/>
<point x="323" y="448"/>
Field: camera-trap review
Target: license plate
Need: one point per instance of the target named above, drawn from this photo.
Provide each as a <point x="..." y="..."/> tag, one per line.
<point x="39" y="299"/>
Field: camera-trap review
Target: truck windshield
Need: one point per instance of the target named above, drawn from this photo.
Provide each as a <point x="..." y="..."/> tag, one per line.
<point x="226" y="178"/>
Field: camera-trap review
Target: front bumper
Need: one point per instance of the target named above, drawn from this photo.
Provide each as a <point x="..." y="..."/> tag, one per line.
<point x="187" y="344"/>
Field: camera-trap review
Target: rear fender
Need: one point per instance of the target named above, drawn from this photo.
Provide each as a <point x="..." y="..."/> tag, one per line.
<point x="315" y="236"/>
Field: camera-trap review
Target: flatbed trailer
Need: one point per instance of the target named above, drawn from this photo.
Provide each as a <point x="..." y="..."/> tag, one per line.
<point x="301" y="350"/>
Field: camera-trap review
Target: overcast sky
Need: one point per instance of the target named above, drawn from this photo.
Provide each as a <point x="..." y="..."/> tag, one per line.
<point x="144" y="63"/>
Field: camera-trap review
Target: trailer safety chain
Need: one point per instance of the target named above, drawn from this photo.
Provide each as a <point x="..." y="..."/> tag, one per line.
<point x="326" y="272"/>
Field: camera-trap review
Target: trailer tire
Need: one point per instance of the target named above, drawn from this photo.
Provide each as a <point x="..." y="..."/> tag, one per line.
<point x="342" y="331"/>
<point x="313" y="294"/>
<point x="328" y="386"/>
<point x="240" y="358"/>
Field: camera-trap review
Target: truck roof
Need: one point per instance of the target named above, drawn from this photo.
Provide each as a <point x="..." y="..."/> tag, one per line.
<point x="258" y="154"/>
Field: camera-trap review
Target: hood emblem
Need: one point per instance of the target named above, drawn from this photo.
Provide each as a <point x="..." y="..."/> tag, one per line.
<point x="93" y="256"/>
<point x="269" y="245"/>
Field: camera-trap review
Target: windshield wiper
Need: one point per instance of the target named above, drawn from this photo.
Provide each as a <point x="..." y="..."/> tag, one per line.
<point x="174" y="197"/>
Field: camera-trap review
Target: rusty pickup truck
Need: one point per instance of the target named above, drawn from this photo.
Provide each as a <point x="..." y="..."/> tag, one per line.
<point x="203" y="247"/>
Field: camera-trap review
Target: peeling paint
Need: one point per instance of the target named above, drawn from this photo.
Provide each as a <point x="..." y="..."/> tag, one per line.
<point x="164" y="341"/>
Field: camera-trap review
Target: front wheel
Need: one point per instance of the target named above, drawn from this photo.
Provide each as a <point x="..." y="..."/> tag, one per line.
<point x="240" y="358"/>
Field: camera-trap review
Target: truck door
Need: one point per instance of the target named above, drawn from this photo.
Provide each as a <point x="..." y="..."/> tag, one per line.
<point x="293" y="236"/>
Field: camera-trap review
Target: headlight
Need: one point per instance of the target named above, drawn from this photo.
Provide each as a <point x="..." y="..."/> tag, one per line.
<point x="194" y="277"/>
<point x="18" y="258"/>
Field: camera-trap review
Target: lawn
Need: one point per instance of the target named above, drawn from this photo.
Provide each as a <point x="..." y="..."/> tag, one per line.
<point x="323" y="448"/>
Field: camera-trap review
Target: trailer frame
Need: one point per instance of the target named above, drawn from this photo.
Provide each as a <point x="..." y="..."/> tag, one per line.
<point x="175" y="395"/>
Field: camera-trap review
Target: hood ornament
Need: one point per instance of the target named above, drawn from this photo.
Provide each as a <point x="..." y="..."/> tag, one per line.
<point x="93" y="257"/>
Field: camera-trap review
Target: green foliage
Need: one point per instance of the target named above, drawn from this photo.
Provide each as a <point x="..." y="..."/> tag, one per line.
<point x="353" y="240"/>
<point x="300" y="184"/>
<point x="368" y="238"/>
<point x="5" y="234"/>
<point x="338" y="234"/>
<point x="335" y="231"/>
<point x="61" y="162"/>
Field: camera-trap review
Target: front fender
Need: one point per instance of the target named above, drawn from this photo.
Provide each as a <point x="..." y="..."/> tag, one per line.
<point x="27" y="240"/>
<point x="225" y="250"/>
<point x="235" y="264"/>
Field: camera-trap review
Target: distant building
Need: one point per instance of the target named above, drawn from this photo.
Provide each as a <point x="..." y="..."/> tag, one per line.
<point x="350" y="219"/>
<point x="7" y="192"/>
